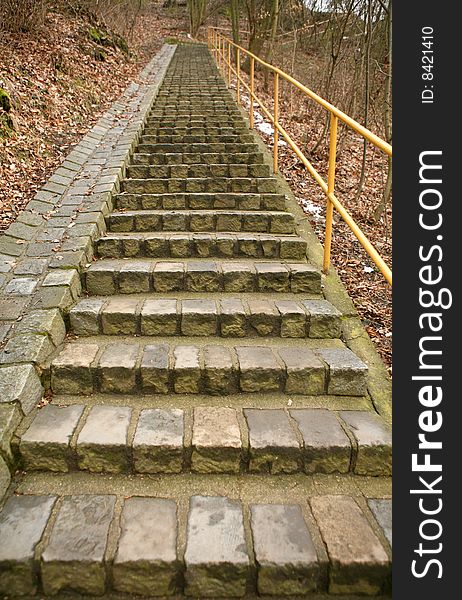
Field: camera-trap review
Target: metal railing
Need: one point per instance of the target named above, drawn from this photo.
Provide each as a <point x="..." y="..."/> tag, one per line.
<point x="220" y="47"/>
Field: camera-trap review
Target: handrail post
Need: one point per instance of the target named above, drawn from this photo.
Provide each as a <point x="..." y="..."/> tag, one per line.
<point x="238" y="75"/>
<point x="330" y="190"/>
<point x="229" y="65"/>
<point x="220" y="54"/>
<point x="252" y="72"/>
<point x="275" y="122"/>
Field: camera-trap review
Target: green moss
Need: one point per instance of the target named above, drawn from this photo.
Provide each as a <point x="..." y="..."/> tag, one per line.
<point x="6" y="126"/>
<point x="107" y="39"/>
<point x="99" y="54"/>
<point x="5" y="100"/>
<point x="94" y="35"/>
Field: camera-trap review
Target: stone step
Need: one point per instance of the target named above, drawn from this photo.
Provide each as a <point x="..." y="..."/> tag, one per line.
<point x="201" y="221"/>
<point x="213" y="130"/>
<point x="201" y="245"/>
<point x="198" y="138"/>
<point x="107" y="277"/>
<point x="263" y="185"/>
<point x="222" y="120"/>
<point x="171" y="112"/>
<point x="204" y="545"/>
<point x="222" y="102"/>
<point x="191" y="158"/>
<point x="185" y="171"/>
<point x="206" y="439"/>
<point x="200" y="201"/>
<point x="100" y="364"/>
<point x="227" y="317"/>
<point x="193" y="147"/>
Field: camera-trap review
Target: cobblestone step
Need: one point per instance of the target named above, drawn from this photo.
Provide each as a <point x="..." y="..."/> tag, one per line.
<point x="201" y="245"/>
<point x="122" y="439"/>
<point x="204" y="129"/>
<point x="180" y="171"/>
<point x="227" y="317"/>
<point x="128" y="367"/>
<point x="204" y="158"/>
<point x="193" y="147"/>
<point x="201" y="221"/>
<point x="200" y="201"/>
<point x="221" y="120"/>
<point x="263" y="185"/>
<point x="108" y="277"/>
<point x="205" y="546"/>
<point x="232" y="138"/>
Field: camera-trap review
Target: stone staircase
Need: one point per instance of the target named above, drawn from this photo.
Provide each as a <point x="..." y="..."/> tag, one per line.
<point x="209" y="434"/>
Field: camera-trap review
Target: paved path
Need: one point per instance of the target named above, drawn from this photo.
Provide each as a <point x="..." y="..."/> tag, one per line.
<point x="210" y="432"/>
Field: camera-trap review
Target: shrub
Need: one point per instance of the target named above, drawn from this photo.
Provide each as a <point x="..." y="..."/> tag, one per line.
<point x="22" y="15"/>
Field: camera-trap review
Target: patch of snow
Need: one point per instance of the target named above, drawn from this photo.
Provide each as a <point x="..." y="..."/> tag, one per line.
<point x="368" y="269"/>
<point x="282" y="143"/>
<point x="312" y="208"/>
<point x="265" y="128"/>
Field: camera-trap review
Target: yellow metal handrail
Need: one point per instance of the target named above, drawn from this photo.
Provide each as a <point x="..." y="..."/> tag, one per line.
<point x="220" y="46"/>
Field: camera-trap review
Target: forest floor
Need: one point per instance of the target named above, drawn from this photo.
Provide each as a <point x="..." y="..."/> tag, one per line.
<point x="59" y="90"/>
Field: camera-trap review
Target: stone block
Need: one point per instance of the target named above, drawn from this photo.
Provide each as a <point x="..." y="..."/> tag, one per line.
<point x="374" y="442"/>
<point x="216" y="441"/>
<point x="347" y="373"/>
<point x="85" y="316"/>
<point x="146" y="559"/>
<point x="382" y="511"/>
<point x="102" y="442"/>
<point x="327" y="448"/>
<point x="168" y="277"/>
<point x="21" y="386"/>
<point x="216" y="558"/>
<point x="186" y="370"/>
<point x="74" y="557"/>
<point x="119" y="316"/>
<point x="293" y="319"/>
<point x="274" y="447"/>
<point x="198" y="317"/>
<point x="159" y="317"/>
<point x="22" y="523"/>
<point x="117" y="368"/>
<point x="305" y="373"/>
<point x="233" y="318"/>
<point x="259" y="370"/>
<point x="238" y="277"/>
<point x="45" y="445"/>
<point x="158" y="441"/>
<point x="44" y="322"/>
<point x="324" y="319"/>
<point x="154" y="369"/>
<point x="272" y="277"/>
<point x="219" y="373"/>
<point x="135" y="277"/>
<point x="284" y="550"/>
<point x="263" y="317"/>
<point x="358" y="562"/>
<point x="203" y="277"/>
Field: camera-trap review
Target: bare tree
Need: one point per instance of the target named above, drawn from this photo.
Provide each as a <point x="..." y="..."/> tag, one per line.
<point x="196" y="15"/>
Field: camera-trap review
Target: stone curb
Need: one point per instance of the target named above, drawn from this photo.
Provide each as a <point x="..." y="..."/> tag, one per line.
<point x="44" y="250"/>
<point x="356" y="337"/>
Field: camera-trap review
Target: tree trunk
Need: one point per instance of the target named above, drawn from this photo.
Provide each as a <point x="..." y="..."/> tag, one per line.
<point x="362" y="177"/>
<point x="387" y="118"/>
<point x="235" y="20"/>
<point x="196" y="15"/>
